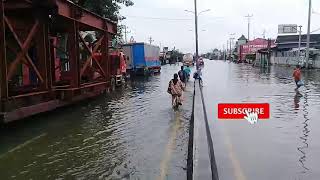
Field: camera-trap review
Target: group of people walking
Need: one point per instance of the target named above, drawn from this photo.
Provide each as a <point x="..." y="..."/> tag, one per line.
<point x="178" y="84"/>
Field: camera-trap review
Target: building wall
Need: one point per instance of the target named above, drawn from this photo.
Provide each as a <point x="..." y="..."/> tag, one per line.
<point x="289" y="58"/>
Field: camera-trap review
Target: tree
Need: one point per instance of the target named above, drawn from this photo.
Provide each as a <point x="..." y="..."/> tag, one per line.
<point x="107" y="9"/>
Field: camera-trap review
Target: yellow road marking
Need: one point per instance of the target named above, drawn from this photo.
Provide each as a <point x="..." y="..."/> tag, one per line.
<point x="23" y="144"/>
<point x="169" y="148"/>
<point x="237" y="170"/>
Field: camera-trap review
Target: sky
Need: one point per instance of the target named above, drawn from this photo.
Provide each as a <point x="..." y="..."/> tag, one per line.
<point x="169" y="25"/>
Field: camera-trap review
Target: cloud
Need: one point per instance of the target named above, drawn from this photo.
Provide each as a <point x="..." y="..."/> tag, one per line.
<point x="168" y="23"/>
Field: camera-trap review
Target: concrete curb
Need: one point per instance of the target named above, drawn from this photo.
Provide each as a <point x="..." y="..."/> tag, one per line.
<point x="190" y="143"/>
<point x="201" y="159"/>
<point x="213" y="163"/>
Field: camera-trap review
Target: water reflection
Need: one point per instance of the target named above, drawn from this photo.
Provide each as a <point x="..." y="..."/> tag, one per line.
<point x="296" y="100"/>
<point x="121" y="135"/>
<point x="305" y="134"/>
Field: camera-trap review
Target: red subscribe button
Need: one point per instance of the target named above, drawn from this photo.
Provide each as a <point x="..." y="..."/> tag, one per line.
<point x="239" y="111"/>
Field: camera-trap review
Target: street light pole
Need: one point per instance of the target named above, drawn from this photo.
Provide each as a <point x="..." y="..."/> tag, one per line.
<point x="227" y="50"/>
<point x="196" y="27"/>
<point x="249" y="18"/>
<point x="230" y="48"/>
<point x="299" y="42"/>
<point x="308" y="36"/>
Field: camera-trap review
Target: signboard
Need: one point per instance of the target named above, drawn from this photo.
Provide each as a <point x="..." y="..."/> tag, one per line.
<point x="253" y="46"/>
<point x="287" y="29"/>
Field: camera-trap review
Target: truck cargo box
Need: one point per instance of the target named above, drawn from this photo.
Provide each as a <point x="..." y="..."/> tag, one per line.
<point x="142" y="57"/>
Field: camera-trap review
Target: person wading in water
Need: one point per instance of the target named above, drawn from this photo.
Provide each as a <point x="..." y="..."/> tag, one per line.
<point x="297" y="76"/>
<point x="176" y="88"/>
<point x="182" y="75"/>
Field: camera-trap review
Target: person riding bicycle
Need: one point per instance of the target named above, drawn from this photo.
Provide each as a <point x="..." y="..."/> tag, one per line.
<point x="176" y="88"/>
<point x="197" y="76"/>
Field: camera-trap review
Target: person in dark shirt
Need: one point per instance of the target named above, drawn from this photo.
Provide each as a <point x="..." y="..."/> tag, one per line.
<point x="182" y="75"/>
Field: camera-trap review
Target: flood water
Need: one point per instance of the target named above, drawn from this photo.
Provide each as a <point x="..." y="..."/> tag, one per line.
<point x="285" y="147"/>
<point x="130" y="134"/>
<point x="134" y="133"/>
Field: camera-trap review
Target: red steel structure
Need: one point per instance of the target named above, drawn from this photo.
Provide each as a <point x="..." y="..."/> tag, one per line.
<point x="45" y="60"/>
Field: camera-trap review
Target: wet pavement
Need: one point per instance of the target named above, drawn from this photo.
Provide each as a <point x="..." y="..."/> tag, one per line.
<point x="285" y="147"/>
<point x="131" y="134"/>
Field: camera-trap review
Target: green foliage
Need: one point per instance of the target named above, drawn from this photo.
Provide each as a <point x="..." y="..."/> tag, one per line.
<point x="105" y="8"/>
<point x="176" y="54"/>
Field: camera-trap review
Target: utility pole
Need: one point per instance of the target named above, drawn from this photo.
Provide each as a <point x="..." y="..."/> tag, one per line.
<point x="227" y="50"/>
<point x="230" y="48"/>
<point x="196" y="27"/>
<point x="299" y="42"/>
<point x="150" y="40"/>
<point x="308" y="36"/>
<point x="264" y="34"/>
<point x="249" y="18"/>
<point x="223" y="53"/>
<point x="125" y="33"/>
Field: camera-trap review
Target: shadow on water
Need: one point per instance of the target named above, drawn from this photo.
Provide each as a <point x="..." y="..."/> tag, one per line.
<point x="305" y="133"/>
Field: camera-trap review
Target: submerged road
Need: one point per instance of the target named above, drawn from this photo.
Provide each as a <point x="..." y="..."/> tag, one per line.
<point x="130" y="134"/>
<point x="285" y="147"/>
<point x="135" y="134"/>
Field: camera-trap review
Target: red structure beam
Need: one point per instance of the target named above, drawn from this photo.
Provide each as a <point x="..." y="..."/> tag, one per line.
<point x="3" y="61"/>
<point x="95" y="49"/>
<point x="28" y="42"/>
<point x="74" y="55"/>
<point x="85" y="17"/>
<point x="24" y="48"/>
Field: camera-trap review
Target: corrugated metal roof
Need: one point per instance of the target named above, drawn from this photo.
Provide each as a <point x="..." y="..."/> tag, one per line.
<point x="295" y="38"/>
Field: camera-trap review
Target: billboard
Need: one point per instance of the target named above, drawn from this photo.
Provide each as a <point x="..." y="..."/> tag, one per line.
<point x="253" y="46"/>
<point x="287" y="28"/>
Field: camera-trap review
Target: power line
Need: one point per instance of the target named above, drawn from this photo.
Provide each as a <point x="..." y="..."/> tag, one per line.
<point x="170" y="19"/>
<point x="160" y="18"/>
<point x="315" y="30"/>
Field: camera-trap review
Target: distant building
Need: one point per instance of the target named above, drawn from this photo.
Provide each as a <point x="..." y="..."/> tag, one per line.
<point x="216" y="54"/>
<point x="241" y="41"/>
<point x="292" y="41"/>
<point x="252" y="47"/>
<point x="286" y="51"/>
